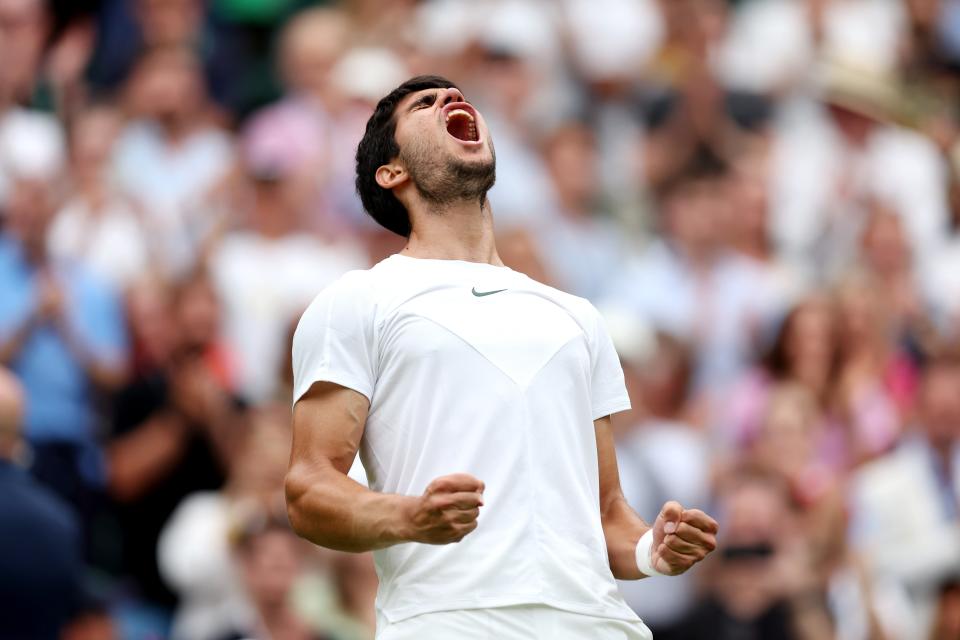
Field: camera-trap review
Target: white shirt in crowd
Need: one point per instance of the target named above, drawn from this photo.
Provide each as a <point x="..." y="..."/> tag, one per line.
<point x="264" y="284"/>
<point x="820" y="184"/>
<point x="473" y="368"/>
<point x="111" y="243"/>
<point x="172" y="181"/>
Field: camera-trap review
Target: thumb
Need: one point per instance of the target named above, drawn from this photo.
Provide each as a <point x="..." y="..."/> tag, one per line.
<point x="667" y="522"/>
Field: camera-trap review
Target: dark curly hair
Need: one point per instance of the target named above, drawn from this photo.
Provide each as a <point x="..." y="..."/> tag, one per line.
<point x="379" y="146"/>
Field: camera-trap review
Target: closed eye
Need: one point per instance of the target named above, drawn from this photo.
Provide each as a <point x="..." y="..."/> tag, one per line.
<point x="426" y="101"/>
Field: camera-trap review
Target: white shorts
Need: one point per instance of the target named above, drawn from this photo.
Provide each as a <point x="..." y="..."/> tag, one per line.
<point x="521" y="622"/>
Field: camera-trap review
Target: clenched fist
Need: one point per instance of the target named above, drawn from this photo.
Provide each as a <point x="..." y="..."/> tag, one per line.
<point x="681" y="538"/>
<point x="447" y="511"/>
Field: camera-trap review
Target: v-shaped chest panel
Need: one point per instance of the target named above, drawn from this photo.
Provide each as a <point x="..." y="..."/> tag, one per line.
<point x="517" y="332"/>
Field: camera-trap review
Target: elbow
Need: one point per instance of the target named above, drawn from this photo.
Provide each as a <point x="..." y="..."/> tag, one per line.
<point x="295" y="490"/>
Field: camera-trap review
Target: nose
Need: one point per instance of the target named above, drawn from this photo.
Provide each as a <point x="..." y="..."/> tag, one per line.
<point x="451" y="94"/>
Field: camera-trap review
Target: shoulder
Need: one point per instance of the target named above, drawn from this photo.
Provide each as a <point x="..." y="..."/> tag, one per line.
<point x="580" y="309"/>
<point x="348" y="300"/>
<point x="32" y="502"/>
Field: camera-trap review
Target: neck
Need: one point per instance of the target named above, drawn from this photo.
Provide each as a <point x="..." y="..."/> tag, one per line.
<point x="458" y="231"/>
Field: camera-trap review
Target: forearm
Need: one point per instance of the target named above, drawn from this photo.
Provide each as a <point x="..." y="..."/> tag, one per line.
<point x="10" y="348"/>
<point x="622" y="529"/>
<point x="328" y="508"/>
<point x="138" y="459"/>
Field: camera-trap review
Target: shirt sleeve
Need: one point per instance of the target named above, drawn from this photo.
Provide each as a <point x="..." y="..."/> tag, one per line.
<point x="334" y="341"/>
<point x="608" y="391"/>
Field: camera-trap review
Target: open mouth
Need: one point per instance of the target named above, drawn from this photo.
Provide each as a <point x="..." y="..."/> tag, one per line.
<point x="462" y="125"/>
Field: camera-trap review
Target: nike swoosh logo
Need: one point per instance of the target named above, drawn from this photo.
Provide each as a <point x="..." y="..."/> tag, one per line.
<point x="480" y="294"/>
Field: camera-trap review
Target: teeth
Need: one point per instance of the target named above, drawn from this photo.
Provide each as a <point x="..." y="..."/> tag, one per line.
<point x="458" y="112"/>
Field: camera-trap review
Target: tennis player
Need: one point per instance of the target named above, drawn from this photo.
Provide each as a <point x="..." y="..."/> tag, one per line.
<point x="480" y="403"/>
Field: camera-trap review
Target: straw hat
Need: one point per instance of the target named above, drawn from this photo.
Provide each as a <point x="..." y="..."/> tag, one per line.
<point x="861" y="89"/>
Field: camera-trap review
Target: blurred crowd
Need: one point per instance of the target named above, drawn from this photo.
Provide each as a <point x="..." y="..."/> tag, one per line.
<point x="761" y="196"/>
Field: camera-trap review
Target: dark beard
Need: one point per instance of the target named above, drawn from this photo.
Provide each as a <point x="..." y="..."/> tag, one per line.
<point x="443" y="183"/>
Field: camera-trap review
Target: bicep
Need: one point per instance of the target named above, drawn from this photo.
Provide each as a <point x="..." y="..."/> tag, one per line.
<point x="328" y="423"/>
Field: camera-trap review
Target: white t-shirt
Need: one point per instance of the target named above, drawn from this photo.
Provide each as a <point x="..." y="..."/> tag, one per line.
<point x="477" y="369"/>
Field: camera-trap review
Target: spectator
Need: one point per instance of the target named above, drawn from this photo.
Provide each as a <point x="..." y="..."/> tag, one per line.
<point x="788" y="446"/>
<point x="829" y="164"/>
<point x="25" y="26"/>
<point x="875" y="378"/>
<point x="661" y="453"/>
<point x="194" y="546"/>
<point x="578" y="228"/>
<point x="905" y="504"/>
<point x="62" y="333"/>
<point x="688" y="284"/>
<point x="804" y="351"/>
<point x="760" y="586"/>
<point x="171" y="156"/>
<point x="886" y="253"/>
<point x="97" y="227"/>
<point x="176" y="427"/>
<point x="41" y="566"/>
<point x="270" y="269"/>
<point x="270" y="558"/>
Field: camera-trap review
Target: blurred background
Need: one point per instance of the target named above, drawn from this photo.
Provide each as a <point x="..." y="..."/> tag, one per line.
<point x="761" y="196"/>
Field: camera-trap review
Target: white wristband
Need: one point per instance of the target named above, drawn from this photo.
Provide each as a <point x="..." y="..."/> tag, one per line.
<point x="644" y="551"/>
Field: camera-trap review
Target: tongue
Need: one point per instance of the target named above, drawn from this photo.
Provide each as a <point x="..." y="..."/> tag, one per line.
<point x="460" y="127"/>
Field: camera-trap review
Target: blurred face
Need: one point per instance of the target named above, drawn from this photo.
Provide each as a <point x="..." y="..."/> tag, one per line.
<point x="445" y="146"/>
<point x="861" y="313"/>
<point x="23" y="30"/>
<point x="786" y="443"/>
<point x="311" y="46"/>
<point x="508" y="80"/>
<point x="855" y="127"/>
<point x="169" y="22"/>
<point x="692" y="216"/>
<point x="169" y="86"/>
<point x="198" y="313"/>
<point x="270" y="566"/>
<point x="810" y="343"/>
<point x="755" y="522"/>
<point x="884" y="243"/>
<point x="148" y="311"/>
<point x="91" y="141"/>
<point x="572" y="161"/>
<point x="940" y="405"/>
<point x="30" y="209"/>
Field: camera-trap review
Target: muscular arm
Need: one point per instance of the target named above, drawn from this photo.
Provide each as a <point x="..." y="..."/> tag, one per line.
<point x="681" y="537"/>
<point x="328" y="508"/>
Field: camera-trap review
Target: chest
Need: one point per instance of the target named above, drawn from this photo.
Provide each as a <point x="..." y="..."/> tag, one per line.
<point x="486" y="330"/>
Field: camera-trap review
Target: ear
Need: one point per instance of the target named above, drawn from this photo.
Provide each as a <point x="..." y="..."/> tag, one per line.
<point x="391" y="175"/>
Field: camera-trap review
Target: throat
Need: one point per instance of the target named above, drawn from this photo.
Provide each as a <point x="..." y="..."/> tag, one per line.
<point x="462" y="232"/>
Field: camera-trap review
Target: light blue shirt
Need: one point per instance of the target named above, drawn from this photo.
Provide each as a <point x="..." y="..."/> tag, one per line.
<point x="59" y="396"/>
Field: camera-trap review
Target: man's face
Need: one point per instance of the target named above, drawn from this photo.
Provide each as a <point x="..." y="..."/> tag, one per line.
<point x="445" y="146"/>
